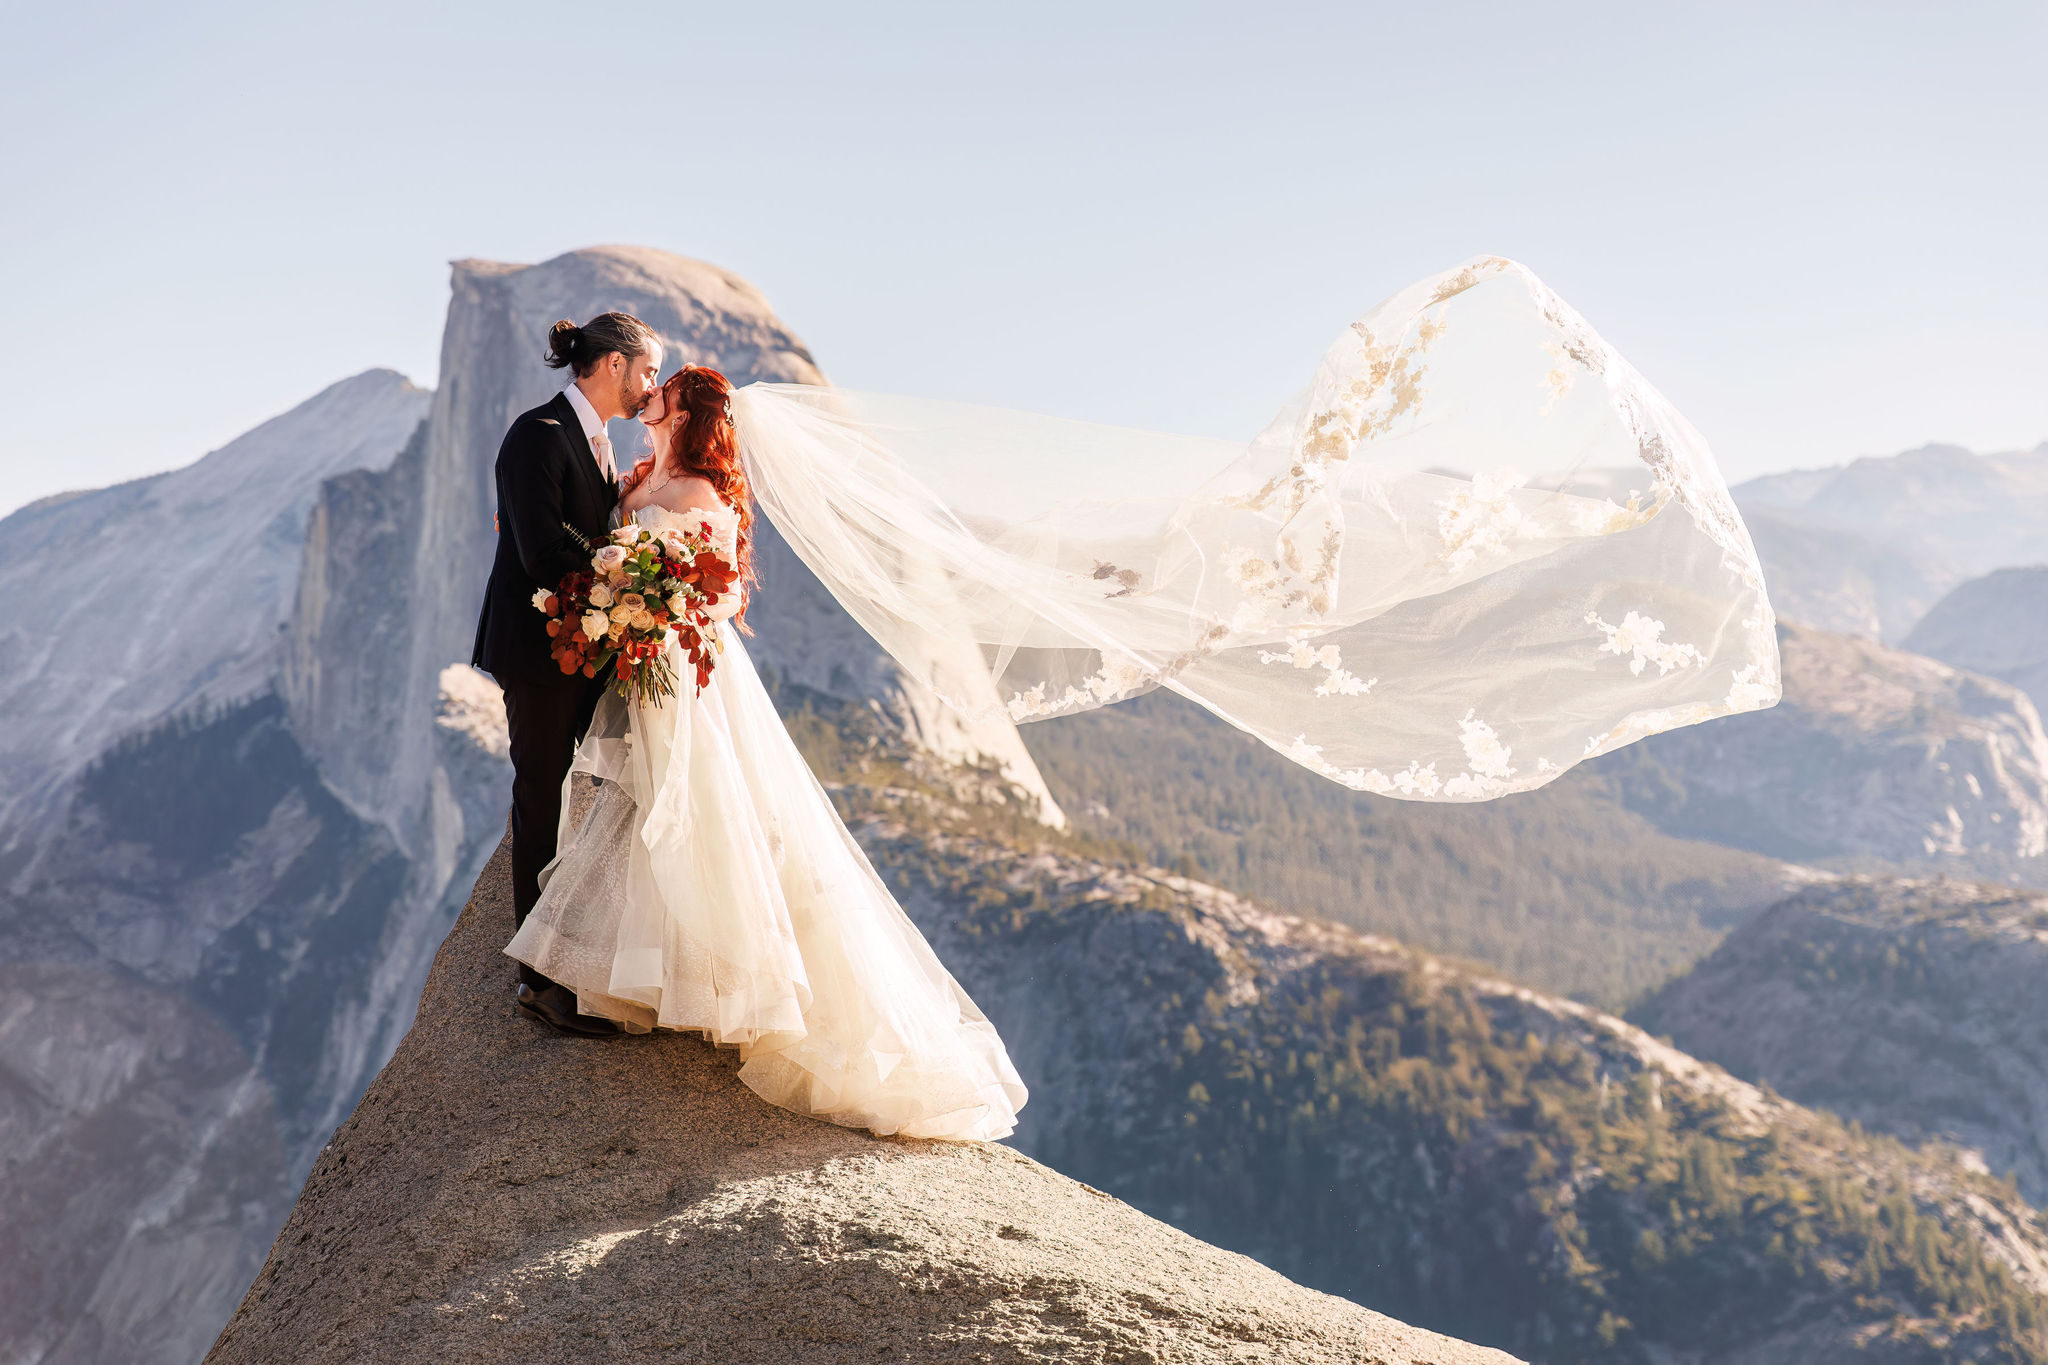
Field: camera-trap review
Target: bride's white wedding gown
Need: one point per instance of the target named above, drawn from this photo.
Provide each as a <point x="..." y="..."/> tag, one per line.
<point x="713" y="887"/>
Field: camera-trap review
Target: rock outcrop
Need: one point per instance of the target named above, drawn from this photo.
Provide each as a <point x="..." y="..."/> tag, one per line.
<point x="1874" y="753"/>
<point x="1914" y="1007"/>
<point x="505" y="1194"/>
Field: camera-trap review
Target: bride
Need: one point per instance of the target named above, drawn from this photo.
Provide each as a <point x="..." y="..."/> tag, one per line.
<point x="1476" y="550"/>
<point x="713" y="887"/>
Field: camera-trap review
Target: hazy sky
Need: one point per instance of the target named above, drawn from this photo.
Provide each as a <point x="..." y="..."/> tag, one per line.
<point x="1817" y="227"/>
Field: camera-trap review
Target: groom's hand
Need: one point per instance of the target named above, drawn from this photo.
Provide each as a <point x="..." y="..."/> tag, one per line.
<point x="632" y="478"/>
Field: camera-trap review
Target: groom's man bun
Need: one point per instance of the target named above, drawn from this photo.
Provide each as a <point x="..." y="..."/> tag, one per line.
<point x="580" y="348"/>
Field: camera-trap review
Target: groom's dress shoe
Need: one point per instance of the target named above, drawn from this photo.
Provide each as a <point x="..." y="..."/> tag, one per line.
<point x="556" y="1007"/>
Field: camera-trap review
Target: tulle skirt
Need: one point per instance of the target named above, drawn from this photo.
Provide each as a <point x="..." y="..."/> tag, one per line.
<point x="712" y="887"/>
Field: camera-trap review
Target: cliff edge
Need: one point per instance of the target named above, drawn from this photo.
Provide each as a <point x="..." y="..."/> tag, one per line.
<point x="502" y="1194"/>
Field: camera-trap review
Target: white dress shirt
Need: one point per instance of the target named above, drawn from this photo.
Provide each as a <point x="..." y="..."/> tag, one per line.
<point x="593" y="428"/>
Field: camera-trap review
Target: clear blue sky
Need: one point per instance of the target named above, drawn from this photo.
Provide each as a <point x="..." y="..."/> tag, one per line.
<point x="1818" y="227"/>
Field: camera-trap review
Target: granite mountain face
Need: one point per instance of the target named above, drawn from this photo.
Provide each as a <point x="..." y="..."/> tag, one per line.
<point x="209" y="559"/>
<point x="1874" y="753"/>
<point x="183" y="896"/>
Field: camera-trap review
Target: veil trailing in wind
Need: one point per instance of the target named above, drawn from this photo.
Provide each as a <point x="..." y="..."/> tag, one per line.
<point x="1476" y="550"/>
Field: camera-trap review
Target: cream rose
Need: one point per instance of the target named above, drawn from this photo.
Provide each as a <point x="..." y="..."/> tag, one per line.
<point x="632" y="600"/>
<point x="600" y="596"/>
<point x="608" y="557"/>
<point x="643" y="619"/>
<point x="594" y="624"/>
<point x="679" y="602"/>
<point x="540" y="598"/>
<point x="621" y="614"/>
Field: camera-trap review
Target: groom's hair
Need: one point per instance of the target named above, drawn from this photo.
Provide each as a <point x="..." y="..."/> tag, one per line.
<point x="582" y="347"/>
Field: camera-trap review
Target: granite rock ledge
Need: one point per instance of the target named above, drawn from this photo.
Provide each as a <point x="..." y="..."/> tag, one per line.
<point x="504" y="1194"/>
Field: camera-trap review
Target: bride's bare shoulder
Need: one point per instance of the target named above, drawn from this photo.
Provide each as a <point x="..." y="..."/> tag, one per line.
<point x="685" y="492"/>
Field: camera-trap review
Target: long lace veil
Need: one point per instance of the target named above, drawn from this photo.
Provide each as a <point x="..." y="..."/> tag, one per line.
<point x="1476" y="550"/>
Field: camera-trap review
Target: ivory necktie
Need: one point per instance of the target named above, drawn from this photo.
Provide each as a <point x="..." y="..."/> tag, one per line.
<point x="602" y="444"/>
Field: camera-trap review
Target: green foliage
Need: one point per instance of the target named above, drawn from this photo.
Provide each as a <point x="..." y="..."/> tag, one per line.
<point x="1884" y="966"/>
<point x="1562" y="888"/>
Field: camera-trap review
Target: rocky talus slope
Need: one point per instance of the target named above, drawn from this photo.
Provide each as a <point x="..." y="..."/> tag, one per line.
<point x="1913" y="1007"/>
<point x="505" y="1194"/>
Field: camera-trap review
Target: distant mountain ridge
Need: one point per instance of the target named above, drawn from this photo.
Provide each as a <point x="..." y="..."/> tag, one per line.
<point x="1867" y="547"/>
<point x="1996" y="625"/>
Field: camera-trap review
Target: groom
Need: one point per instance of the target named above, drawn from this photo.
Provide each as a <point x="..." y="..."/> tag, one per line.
<point x="555" y="471"/>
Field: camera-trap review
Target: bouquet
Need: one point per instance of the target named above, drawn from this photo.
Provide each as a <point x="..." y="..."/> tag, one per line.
<point x="642" y="586"/>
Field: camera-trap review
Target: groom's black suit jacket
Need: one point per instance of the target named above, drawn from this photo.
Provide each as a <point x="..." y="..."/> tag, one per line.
<point x="547" y="476"/>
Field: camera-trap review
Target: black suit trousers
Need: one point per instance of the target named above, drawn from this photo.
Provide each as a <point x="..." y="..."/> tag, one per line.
<point x="547" y="721"/>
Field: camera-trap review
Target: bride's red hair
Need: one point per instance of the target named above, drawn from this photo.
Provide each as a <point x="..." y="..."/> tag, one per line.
<point x="699" y="402"/>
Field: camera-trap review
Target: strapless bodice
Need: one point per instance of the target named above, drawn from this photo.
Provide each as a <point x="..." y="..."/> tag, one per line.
<point x="725" y="532"/>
